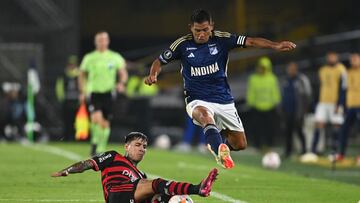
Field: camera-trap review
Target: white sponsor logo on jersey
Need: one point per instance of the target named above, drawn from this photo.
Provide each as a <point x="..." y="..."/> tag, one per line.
<point x="205" y="70"/>
<point x="103" y="158"/>
<point x="190" y="48"/>
<point x="130" y="175"/>
<point x="191" y="55"/>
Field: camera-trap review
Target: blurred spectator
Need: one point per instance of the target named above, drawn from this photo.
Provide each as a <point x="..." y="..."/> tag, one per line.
<point x="263" y="95"/>
<point x="296" y="98"/>
<point x="14" y="109"/>
<point x="136" y="86"/>
<point x="192" y="131"/>
<point x="67" y="92"/>
<point x="140" y="95"/>
<point x="352" y="102"/>
<point x="332" y="77"/>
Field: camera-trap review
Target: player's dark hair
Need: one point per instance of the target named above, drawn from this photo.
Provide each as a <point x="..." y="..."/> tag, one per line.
<point x="100" y="32"/>
<point x="134" y="136"/>
<point x="200" y="16"/>
<point x="331" y="52"/>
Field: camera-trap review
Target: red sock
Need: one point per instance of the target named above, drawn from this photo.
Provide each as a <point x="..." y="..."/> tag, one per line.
<point x="161" y="186"/>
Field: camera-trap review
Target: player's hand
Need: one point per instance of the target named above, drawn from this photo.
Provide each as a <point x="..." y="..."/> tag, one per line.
<point x="120" y="87"/>
<point x="59" y="174"/>
<point x="82" y="98"/>
<point x="285" y="46"/>
<point x="151" y="79"/>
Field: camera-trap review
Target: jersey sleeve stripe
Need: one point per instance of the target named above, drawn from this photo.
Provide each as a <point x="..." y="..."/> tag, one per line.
<point x="238" y="40"/>
<point x="241" y="40"/>
<point x="176" y="45"/>
<point x="222" y="34"/>
<point x="178" y="41"/>
<point x="96" y="167"/>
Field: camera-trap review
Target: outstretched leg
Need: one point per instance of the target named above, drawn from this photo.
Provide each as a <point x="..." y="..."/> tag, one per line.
<point x="148" y="188"/>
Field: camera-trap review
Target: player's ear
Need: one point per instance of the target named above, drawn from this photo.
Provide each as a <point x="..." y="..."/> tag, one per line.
<point x="212" y="23"/>
<point x="190" y="26"/>
<point x="127" y="147"/>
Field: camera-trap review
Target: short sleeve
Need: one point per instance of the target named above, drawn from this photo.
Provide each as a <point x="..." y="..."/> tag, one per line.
<point x="235" y="41"/>
<point x="120" y="62"/>
<point x="103" y="160"/>
<point x="174" y="51"/>
<point x="84" y="63"/>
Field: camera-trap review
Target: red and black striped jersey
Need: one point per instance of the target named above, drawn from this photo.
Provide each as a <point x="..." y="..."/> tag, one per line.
<point x="117" y="172"/>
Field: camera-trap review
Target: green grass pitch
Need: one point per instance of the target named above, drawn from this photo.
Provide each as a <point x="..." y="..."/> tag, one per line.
<point x="25" y="177"/>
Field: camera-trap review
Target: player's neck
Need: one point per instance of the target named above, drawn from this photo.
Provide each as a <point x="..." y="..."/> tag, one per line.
<point x="132" y="161"/>
<point x="101" y="50"/>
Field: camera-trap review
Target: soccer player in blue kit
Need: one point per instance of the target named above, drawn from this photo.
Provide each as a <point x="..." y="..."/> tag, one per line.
<point x="204" y="58"/>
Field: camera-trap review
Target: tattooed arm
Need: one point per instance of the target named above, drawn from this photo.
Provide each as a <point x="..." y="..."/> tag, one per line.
<point x="78" y="167"/>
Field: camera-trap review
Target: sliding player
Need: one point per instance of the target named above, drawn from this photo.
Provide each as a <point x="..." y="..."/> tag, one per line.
<point x="123" y="182"/>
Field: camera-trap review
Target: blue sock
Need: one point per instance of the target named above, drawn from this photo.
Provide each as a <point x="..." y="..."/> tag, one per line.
<point x="212" y="137"/>
<point x="315" y="140"/>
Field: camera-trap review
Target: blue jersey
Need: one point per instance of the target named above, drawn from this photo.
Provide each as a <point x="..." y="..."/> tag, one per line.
<point x="204" y="66"/>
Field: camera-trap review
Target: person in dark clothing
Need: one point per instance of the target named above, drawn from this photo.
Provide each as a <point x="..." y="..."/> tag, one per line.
<point x="296" y="96"/>
<point x="67" y="92"/>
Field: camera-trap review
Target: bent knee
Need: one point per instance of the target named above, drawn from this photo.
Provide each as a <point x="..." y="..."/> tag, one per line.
<point x="239" y="146"/>
<point x="203" y="116"/>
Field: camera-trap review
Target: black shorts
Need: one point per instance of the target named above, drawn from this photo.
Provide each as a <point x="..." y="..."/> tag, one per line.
<point x="101" y="102"/>
<point x="122" y="193"/>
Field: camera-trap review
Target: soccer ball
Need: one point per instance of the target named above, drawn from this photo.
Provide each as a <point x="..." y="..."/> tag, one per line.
<point x="271" y="160"/>
<point x="163" y="142"/>
<point x="181" y="199"/>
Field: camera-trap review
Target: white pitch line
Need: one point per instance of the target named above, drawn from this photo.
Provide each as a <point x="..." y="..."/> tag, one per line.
<point x="226" y="198"/>
<point x="76" y="157"/>
<point x="55" y="150"/>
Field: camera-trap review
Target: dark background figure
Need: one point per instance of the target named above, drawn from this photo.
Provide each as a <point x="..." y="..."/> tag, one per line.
<point x="67" y="93"/>
<point x="263" y="96"/>
<point x="14" y="112"/>
<point x="296" y="99"/>
<point x="139" y="101"/>
<point x="352" y="103"/>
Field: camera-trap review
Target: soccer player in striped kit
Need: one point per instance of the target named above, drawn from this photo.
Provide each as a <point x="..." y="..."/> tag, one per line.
<point x="204" y="57"/>
<point x="122" y="181"/>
